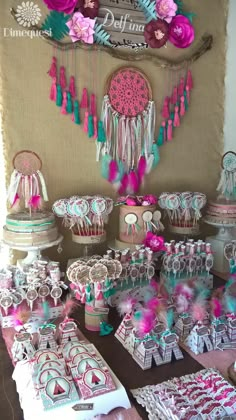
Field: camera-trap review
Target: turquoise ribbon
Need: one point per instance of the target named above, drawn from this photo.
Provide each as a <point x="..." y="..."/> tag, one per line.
<point x="48" y="326"/>
<point x="31" y="224"/>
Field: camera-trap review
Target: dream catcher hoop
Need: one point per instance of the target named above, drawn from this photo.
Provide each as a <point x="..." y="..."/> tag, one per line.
<point x="128" y="117"/>
<point x="27" y="182"/>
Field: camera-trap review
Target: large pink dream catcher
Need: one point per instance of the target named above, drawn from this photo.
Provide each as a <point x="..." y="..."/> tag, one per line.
<point x="128" y="150"/>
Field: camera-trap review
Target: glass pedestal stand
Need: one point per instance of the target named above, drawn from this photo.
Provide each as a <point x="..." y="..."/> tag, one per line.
<point x="224" y="235"/>
<point x="33" y="252"/>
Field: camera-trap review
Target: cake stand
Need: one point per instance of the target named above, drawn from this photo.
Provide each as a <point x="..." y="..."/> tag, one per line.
<point x="224" y="236"/>
<point x="33" y="252"/>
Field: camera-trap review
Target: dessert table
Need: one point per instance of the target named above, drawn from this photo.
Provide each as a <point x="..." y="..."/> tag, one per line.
<point x="119" y="360"/>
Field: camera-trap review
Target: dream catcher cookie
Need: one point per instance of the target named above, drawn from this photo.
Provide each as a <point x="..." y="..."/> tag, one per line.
<point x="27" y="183"/>
<point x="227" y="184"/>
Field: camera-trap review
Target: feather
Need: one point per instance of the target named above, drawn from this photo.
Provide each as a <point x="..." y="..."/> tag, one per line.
<point x="15" y="207"/>
<point x="153" y="304"/>
<point x="142" y="165"/>
<point x="113" y="171"/>
<point x="123" y="184"/>
<point x="21" y="315"/>
<point x="170" y="318"/>
<point x="69" y="306"/>
<point x="133" y="183"/>
<point x="146" y="322"/>
<point x="230" y="282"/>
<point x="230" y="304"/>
<point x="35" y="202"/>
<point x="126" y="306"/>
<point x="184" y="290"/>
<point x="137" y="315"/>
<point x="216" y="307"/>
<point x="154" y="285"/>
<point x="198" y="311"/>
<point x="46" y="311"/>
<point x="182" y="304"/>
<point x="106" y="159"/>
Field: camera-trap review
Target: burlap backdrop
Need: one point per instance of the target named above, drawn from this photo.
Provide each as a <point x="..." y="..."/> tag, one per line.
<point x="31" y="121"/>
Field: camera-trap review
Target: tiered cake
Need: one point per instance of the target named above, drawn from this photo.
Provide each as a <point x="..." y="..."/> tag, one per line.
<point x="221" y="211"/>
<point x="24" y="230"/>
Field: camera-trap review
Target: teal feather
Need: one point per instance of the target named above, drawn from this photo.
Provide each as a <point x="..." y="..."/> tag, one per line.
<point x="100" y="36"/>
<point x="156" y="155"/>
<point x="203" y="294"/>
<point x="55" y="25"/>
<point x="46" y="314"/>
<point x="105" y="166"/>
<point x="121" y="171"/>
<point x="138" y="315"/>
<point x="230" y="282"/>
<point x="170" y="318"/>
<point x="230" y="303"/>
<point x="149" y="9"/>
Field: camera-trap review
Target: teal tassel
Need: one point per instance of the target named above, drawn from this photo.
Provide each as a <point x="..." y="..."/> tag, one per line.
<point x="160" y="140"/>
<point x="185" y="101"/>
<point x="69" y="107"/>
<point x="170" y="318"/>
<point x="156" y="155"/>
<point x="76" y="113"/>
<point x="105" y="166"/>
<point x="90" y="126"/>
<point x="59" y="96"/>
<point x="172" y="116"/>
<point x="105" y="329"/>
<point x="101" y="133"/>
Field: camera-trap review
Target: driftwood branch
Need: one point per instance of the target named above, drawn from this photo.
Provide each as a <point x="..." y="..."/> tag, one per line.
<point x="201" y="48"/>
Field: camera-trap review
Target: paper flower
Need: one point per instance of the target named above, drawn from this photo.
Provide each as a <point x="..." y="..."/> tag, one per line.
<point x="154" y="242"/>
<point x="156" y="33"/>
<point x="88" y="8"/>
<point x="181" y="32"/>
<point x="166" y="9"/>
<point x="81" y="28"/>
<point x="64" y="6"/>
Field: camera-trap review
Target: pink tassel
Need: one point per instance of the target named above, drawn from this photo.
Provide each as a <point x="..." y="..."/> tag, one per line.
<point x="188" y="93"/>
<point x="124" y="185"/>
<point x="35" y="202"/>
<point x="182" y="106"/>
<point x="174" y="97"/>
<point x="84" y="99"/>
<point x="93" y="104"/>
<point x="72" y="87"/>
<point x="95" y="127"/>
<point x="169" y="130"/>
<point x="181" y="87"/>
<point x="176" y="117"/>
<point x="133" y="182"/>
<point x="164" y="130"/>
<point x="62" y="77"/>
<point x="53" y="91"/>
<point x="189" y="81"/>
<point x="113" y="171"/>
<point x="64" y="103"/>
<point x="165" y="109"/>
<point x="52" y="72"/>
<point x="142" y="166"/>
<point x="86" y="121"/>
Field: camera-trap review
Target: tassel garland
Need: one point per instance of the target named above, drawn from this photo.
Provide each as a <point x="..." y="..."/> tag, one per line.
<point x="52" y="72"/>
<point x="72" y="87"/>
<point x="76" y="116"/>
<point x="90" y="126"/>
<point x="64" y="104"/>
<point x="169" y="130"/>
<point x="53" y="91"/>
<point x="176" y="117"/>
<point x="59" y="96"/>
<point x="182" y="106"/>
<point x="86" y="115"/>
<point x="62" y="77"/>
<point x="69" y="106"/>
<point x="84" y="99"/>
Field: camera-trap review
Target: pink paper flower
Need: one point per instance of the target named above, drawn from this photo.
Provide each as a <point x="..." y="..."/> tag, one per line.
<point x="88" y="8"/>
<point x="154" y="242"/>
<point x="181" y="32"/>
<point x="81" y="28"/>
<point x="149" y="200"/>
<point x="166" y="9"/>
<point x="156" y="33"/>
<point x="64" y="6"/>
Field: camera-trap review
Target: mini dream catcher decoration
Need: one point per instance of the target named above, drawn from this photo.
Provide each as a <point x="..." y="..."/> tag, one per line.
<point x="227" y="184"/>
<point x="27" y="183"/>
<point x="128" y="149"/>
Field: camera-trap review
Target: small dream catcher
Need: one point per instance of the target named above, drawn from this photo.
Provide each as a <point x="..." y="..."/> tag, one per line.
<point x="27" y="183"/>
<point x="227" y="184"/>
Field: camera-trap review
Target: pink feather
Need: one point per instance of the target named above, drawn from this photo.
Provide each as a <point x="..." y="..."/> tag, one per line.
<point x="217" y="308"/>
<point x="126" y="306"/>
<point x="152" y="304"/>
<point x="35" y="202"/>
<point x="133" y="182"/>
<point x="184" y="290"/>
<point x="123" y="184"/>
<point x="142" y="166"/>
<point x="70" y="306"/>
<point x="146" y="323"/>
<point x="113" y="171"/>
<point x="15" y="201"/>
<point x="198" y="311"/>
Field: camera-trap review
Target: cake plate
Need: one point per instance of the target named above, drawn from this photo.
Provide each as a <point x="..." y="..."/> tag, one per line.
<point x="33" y="252"/>
<point x="224" y="235"/>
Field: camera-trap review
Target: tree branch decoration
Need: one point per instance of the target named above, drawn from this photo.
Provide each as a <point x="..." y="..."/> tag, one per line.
<point x="204" y="45"/>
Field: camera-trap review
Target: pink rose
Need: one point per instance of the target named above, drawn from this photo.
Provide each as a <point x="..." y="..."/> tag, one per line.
<point x="181" y="32"/>
<point x="154" y="242"/>
<point x="64" y="6"/>
<point x="81" y="28"/>
<point x="166" y="9"/>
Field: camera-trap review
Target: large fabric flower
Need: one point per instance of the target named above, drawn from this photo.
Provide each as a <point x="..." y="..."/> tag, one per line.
<point x="81" y="28"/>
<point x="156" y="33"/>
<point x="181" y="32"/>
<point x="65" y="6"/>
<point x="88" y="8"/>
<point x="166" y="9"/>
<point x="154" y="242"/>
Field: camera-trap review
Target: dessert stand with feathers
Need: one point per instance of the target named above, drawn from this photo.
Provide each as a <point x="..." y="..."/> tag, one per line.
<point x="28" y="189"/>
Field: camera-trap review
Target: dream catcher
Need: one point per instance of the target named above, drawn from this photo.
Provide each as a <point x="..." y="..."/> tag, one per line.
<point x="227" y="184"/>
<point x="129" y="149"/>
<point x="27" y="183"/>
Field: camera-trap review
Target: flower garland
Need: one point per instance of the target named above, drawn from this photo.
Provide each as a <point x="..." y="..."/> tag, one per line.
<point x="166" y="21"/>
